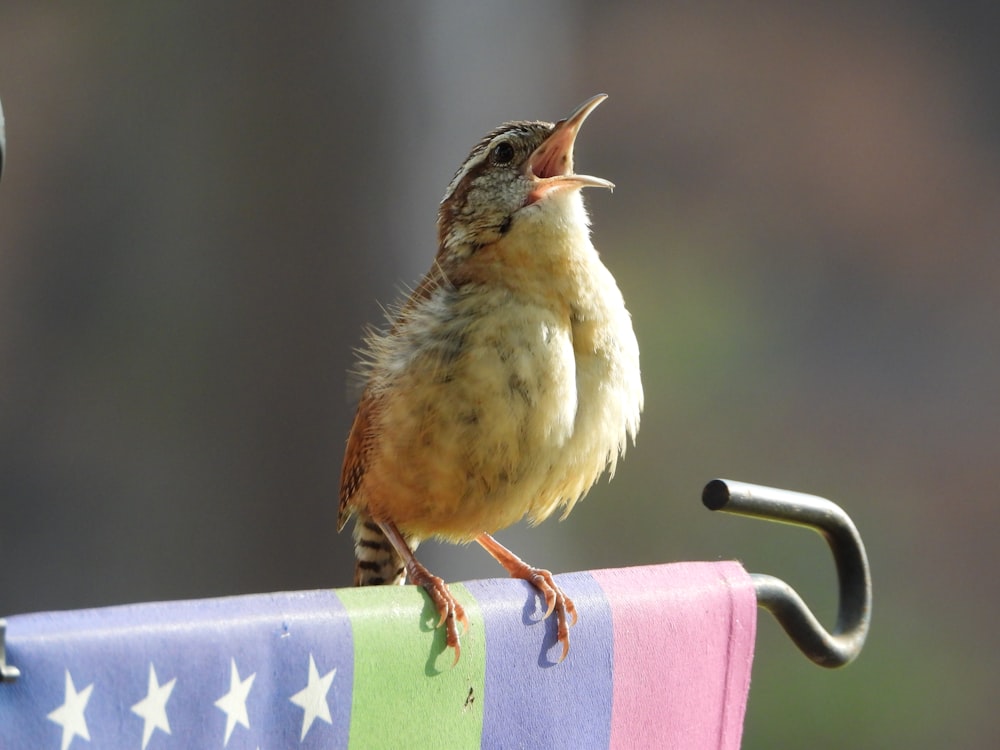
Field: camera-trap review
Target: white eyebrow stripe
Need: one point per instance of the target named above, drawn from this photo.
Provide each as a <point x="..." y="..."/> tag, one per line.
<point x="471" y="163"/>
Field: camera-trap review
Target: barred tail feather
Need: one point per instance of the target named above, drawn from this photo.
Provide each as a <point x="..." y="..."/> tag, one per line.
<point x="376" y="561"/>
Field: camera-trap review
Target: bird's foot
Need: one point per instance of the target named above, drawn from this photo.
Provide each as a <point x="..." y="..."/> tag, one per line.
<point x="451" y="613"/>
<point x="555" y="600"/>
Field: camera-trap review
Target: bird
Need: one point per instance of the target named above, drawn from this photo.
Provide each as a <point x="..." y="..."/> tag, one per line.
<point x="505" y="385"/>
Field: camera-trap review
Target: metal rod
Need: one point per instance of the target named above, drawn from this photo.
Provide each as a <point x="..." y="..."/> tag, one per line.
<point x="854" y="578"/>
<point x="8" y="673"/>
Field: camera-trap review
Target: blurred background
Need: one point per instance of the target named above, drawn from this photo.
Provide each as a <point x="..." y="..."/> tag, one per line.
<point x="205" y="203"/>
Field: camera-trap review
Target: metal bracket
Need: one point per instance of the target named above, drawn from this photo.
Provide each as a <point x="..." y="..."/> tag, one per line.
<point x="853" y="575"/>
<point x="7" y="672"/>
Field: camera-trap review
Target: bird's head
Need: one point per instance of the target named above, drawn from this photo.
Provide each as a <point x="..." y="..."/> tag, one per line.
<point x="516" y="168"/>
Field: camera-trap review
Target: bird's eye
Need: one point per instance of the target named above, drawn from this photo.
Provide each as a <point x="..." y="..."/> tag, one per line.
<point x="502" y="153"/>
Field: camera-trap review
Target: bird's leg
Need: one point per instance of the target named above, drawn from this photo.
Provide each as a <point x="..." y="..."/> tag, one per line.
<point x="448" y="608"/>
<point x="542" y="580"/>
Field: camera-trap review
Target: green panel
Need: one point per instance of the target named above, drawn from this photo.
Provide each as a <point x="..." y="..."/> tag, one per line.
<point x="406" y="693"/>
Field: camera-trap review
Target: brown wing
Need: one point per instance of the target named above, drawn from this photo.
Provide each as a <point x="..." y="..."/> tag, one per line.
<point x="362" y="439"/>
<point x="359" y="444"/>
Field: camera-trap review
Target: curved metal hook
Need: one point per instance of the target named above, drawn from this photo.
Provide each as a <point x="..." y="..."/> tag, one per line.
<point x="855" y="603"/>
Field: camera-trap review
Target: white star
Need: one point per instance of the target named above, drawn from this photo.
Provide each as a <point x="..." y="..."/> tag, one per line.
<point x="234" y="703"/>
<point x="312" y="698"/>
<point x="153" y="708"/>
<point x="70" y="714"/>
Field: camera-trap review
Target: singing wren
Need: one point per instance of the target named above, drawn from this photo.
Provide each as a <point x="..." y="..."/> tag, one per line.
<point x="505" y="385"/>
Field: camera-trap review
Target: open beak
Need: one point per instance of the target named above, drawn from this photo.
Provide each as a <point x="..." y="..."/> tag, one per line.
<point x="551" y="164"/>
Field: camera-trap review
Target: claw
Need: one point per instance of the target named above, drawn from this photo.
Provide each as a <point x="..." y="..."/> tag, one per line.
<point x="555" y="600"/>
<point x="448" y="608"/>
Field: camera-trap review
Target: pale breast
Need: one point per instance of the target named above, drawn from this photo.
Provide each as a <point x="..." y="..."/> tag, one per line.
<point x="478" y="397"/>
<point x="495" y="407"/>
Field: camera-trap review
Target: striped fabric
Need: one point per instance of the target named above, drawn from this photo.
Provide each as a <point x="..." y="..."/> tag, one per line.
<point x="660" y="657"/>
